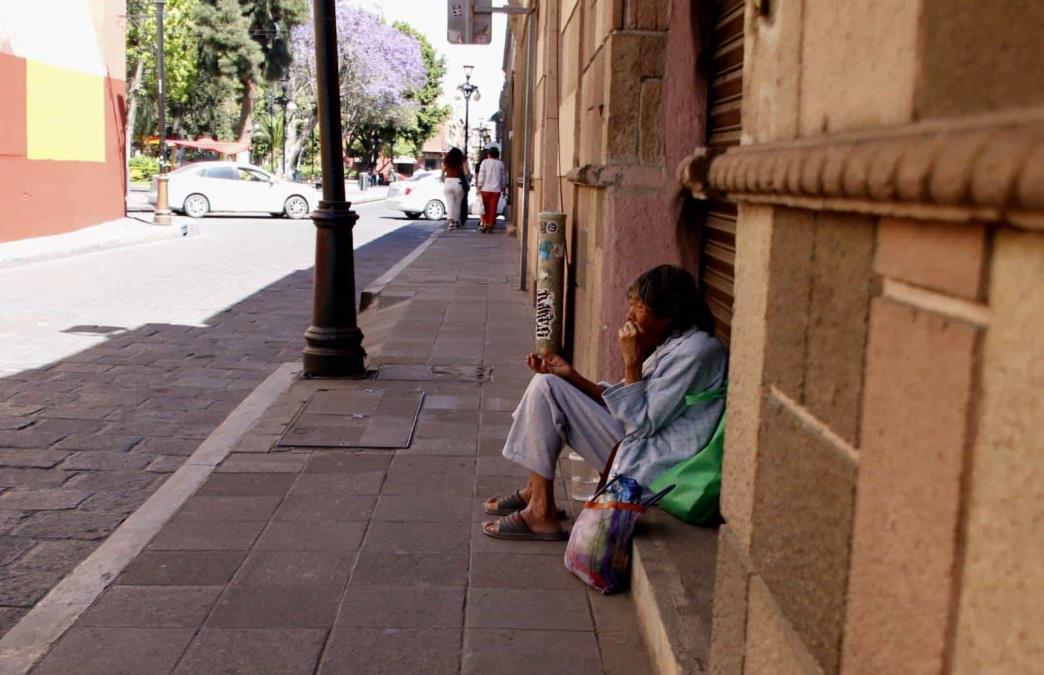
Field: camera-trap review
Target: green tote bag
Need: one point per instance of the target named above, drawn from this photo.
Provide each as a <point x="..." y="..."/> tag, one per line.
<point x="697" y="480"/>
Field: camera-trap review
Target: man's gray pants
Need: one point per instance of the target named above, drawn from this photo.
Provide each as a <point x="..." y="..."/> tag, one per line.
<point x="552" y="414"/>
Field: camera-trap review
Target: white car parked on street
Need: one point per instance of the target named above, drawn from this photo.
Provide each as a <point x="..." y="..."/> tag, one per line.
<point x="422" y="193"/>
<point x="200" y="188"/>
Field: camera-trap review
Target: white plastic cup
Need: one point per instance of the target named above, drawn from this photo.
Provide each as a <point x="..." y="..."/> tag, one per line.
<point x="583" y="478"/>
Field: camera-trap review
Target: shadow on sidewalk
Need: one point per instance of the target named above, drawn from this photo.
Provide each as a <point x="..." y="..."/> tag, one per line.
<point x="86" y="440"/>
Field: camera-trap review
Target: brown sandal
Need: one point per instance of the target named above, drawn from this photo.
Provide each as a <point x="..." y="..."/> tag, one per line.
<point x="514" y="528"/>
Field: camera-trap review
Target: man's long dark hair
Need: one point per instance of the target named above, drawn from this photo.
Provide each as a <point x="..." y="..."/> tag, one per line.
<point x="671" y="293"/>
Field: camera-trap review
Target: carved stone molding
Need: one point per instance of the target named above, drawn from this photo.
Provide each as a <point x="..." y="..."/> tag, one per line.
<point x="988" y="168"/>
<point x="617" y="175"/>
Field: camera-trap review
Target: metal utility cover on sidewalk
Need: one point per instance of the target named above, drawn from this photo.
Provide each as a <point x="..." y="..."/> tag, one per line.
<point x="370" y="418"/>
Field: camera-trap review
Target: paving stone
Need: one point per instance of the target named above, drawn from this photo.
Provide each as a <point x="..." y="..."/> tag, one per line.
<point x="398" y="607"/>
<point x="291" y="568"/>
<point x="151" y="607"/>
<point x="12" y="547"/>
<point x="522" y="652"/>
<point x="56" y="556"/>
<point x="246" y="509"/>
<point x="529" y="609"/>
<point x="46" y="499"/>
<point x="189" y="535"/>
<point x="182" y="568"/>
<point x="460" y="447"/>
<point x="103" y="460"/>
<point x="316" y="508"/>
<point x="117" y="502"/>
<point x="168" y="446"/>
<point x="424" y="569"/>
<point x="256" y="443"/>
<point x="624" y="653"/>
<point x="246" y="485"/>
<point x="9" y="520"/>
<point x="40" y="459"/>
<point x="32" y="478"/>
<point x="69" y="525"/>
<point x="507" y="570"/>
<point x="499" y="466"/>
<point x="253" y="651"/>
<point x="8" y="408"/>
<point x="383" y="651"/>
<point x="11" y="423"/>
<point x="257" y="463"/>
<point x="111" y="481"/>
<point x="23" y="588"/>
<point x="407" y="508"/>
<point x="9" y="616"/>
<point x="28" y="439"/>
<point x="48" y="423"/>
<point x="364" y="483"/>
<point x="430" y="476"/>
<point x="104" y="442"/>
<point x="297" y="606"/>
<point x="417" y="536"/>
<point x="491" y="447"/>
<point x="165" y="463"/>
<point x="317" y="536"/>
<point x="323" y="461"/>
<point x="116" y="651"/>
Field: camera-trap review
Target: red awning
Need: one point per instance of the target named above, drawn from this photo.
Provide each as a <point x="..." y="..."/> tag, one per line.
<point x="204" y="143"/>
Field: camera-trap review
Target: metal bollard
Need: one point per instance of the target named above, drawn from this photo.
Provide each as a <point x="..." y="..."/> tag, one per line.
<point x="550" y="279"/>
<point x="162" y="214"/>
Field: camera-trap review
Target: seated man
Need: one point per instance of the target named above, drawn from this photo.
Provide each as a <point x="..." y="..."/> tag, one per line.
<point x="669" y="350"/>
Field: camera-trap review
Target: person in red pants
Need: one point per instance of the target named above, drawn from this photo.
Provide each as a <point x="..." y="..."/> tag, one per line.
<point x="492" y="180"/>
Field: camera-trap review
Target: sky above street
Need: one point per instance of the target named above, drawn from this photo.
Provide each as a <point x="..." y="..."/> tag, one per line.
<point x="429" y="17"/>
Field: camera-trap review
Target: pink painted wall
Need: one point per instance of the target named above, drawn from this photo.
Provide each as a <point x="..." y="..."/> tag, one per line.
<point x="647" y="227"/>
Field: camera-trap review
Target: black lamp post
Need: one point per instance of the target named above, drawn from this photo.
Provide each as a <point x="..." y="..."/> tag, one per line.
<point x="333" y="343"/>
<point x="284" y="100"/>
<point x="467" y="90"/>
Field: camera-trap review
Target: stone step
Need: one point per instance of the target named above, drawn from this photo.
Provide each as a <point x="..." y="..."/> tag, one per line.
<point x="673" y="585"/>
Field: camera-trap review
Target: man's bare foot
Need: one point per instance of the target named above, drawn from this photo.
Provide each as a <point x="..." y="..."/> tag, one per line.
<point x="538" y="523"/>
<point x="492" y="504"/>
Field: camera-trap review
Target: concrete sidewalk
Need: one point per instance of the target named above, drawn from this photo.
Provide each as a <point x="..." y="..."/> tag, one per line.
<point x="362" y="560"/>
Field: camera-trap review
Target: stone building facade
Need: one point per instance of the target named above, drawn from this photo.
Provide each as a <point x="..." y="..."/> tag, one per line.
<point x="883" y="163"/>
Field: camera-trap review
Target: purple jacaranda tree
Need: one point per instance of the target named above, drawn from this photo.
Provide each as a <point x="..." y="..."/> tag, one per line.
<point x="379" y="67"/>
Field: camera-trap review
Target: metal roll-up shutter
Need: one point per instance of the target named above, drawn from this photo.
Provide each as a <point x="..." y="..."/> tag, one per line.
<point x="725" y="99"/>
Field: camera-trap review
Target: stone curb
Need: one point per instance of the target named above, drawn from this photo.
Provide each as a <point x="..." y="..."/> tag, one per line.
<point x="102" y="237"/>
<point x="373" y="291"/>
<point x="38" y="630"/>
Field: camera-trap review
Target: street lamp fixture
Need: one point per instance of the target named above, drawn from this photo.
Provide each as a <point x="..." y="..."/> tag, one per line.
<point x="468" y="90"/>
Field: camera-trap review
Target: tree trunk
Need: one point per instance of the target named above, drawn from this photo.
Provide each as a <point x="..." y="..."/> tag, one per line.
<point x="132" y="112"/>
<point x="245" y="129"/>
<point x="296" y="141"/>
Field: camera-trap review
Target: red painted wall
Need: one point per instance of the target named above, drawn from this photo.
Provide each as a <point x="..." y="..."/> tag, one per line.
<point x="647" y="227"/>
<point x="39" y="198"/>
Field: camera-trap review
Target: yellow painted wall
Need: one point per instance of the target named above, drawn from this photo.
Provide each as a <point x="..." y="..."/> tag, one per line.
<point x="56" y="130"/>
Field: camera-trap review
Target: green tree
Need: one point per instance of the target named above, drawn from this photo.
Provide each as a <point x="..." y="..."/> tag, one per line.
<point x="181" y="57"/>
<point x="428" y="114"/>
<point x="245" y="42"/>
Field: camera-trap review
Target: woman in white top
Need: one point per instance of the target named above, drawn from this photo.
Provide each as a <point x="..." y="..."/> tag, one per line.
<point x="454" y="170"/>
<point x="492" y="181"/>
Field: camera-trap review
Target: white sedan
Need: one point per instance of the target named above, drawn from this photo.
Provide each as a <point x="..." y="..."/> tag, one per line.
<point x="199" y="188"/>
<point x="422" y="193"/>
